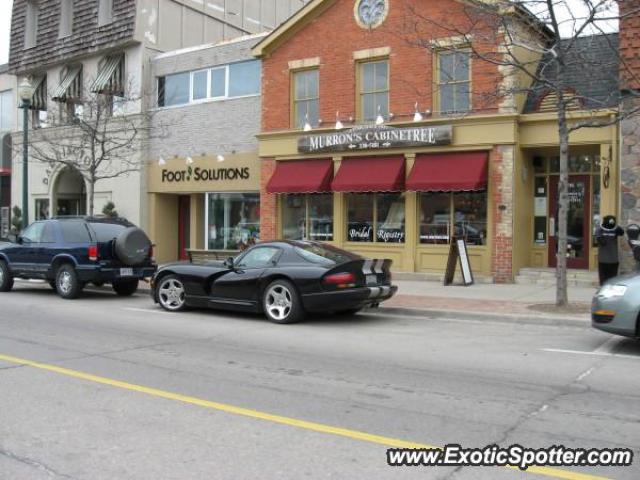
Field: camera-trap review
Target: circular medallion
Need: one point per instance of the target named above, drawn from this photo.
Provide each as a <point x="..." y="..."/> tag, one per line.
<point x="371" y="13"/>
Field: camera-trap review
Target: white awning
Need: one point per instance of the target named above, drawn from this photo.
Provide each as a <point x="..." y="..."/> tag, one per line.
<point x="70" y="87"/>
<point x="110" y="79"/>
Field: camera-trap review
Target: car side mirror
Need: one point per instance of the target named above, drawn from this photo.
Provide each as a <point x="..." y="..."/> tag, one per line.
<point x="229" y="263"/>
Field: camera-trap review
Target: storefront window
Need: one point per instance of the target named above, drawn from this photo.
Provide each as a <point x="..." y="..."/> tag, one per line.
<point x="360" y="217"/>
<point x="435" y="216"/>
<point x="320" y="217"/>
<point x="382" y="213"/>
<point x="233" y="220"/>
<point x="470" y="216"/>
<point x="307" y="217"/>
<point x="461" y="214"/>
<point x="293" y="217"/>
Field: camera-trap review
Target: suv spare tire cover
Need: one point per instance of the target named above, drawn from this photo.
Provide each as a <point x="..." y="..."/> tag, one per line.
<point x="132" y="246"/>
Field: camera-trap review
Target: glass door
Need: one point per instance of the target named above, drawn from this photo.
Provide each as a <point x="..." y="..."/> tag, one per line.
<point x="578" y="218"/>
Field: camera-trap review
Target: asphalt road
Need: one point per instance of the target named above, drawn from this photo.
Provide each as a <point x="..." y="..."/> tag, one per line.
<point x="121" y="390"/>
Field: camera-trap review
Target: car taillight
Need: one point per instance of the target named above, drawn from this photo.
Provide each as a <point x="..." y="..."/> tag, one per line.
<point x="151" y="257"/>
<point x="341" y="280"/>
<point x="93" y="253"/>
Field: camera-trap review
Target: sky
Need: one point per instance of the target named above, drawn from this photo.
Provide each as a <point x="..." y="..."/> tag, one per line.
<point x="5" y="24"/>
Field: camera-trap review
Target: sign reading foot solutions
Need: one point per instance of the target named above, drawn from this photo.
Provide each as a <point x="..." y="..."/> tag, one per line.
<point x="375" y="138"/>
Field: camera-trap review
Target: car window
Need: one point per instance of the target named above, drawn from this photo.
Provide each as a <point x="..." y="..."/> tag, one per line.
<point x="258" y="257"/>
<point x="75" y="232"/>
<point x="33" y="233"/>
<point x="48" y="233"/>
<point x="107" y="231"/>
<point x="323" y="254"/>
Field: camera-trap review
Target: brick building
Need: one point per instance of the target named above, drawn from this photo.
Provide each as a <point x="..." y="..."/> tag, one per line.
<point x="390" y="148"/>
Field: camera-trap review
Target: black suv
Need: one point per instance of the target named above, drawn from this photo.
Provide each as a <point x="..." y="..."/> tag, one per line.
<point x="71" y="252"/>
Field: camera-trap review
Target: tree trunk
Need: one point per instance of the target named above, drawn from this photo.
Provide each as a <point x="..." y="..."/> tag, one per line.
<point x="563" y="207"/>
<point x="90" y="194"/>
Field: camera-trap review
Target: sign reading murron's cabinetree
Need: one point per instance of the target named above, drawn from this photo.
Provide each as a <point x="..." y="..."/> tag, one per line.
<point x="375" y="138"/>
<point x="458" y="251"/>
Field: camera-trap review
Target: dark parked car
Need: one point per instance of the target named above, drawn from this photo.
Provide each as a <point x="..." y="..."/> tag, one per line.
<point x="71" y="252"/>
<point x="283" y="279"/>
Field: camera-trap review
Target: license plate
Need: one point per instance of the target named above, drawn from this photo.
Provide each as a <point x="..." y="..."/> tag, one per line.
<point x="372" y="279"/>
<point x="126" y="272"/>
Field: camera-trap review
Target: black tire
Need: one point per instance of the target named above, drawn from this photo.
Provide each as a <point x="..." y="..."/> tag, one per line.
<point x="170" y="293"/>
<point x="132" y="246"/>
<point x="125" y="288"/>
<point x="281" y="302"/>
<point x="67" y="284"/>
<point x="6" y="278"/>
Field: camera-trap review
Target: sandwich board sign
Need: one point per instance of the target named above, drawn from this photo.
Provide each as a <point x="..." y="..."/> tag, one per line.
<point x="458" y="251"/>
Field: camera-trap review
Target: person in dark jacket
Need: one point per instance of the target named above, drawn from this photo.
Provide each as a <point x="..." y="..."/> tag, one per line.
<point x="607" y="237"/>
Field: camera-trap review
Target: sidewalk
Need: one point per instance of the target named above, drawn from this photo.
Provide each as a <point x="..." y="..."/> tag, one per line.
<point x="499" y="302"/>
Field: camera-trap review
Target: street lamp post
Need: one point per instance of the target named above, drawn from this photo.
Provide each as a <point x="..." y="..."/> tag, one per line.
<point x="25" y="91"/>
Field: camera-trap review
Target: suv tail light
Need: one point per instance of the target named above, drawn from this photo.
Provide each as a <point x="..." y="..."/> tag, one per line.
<point x="151" y="257"/>
<point x="93" y="253"/>
<point x="341" y="280"/>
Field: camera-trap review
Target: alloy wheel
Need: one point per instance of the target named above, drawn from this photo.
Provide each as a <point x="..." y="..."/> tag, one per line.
<point x="64" y="282"/>
<point x="278" y="302"/>
<point x="171" y="294"/>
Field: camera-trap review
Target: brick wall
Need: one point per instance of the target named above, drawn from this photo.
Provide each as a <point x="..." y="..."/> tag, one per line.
<point x="501" y="180"/>
<point x="268" y="210"/>
<point x="630" y="44"/>
<point x="334" y="36"/>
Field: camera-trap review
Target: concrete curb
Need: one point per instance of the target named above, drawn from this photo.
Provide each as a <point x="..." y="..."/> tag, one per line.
<point x="532" y="319"/>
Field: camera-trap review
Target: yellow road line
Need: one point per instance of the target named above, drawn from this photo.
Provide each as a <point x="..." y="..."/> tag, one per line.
<point x="292" y="422"/>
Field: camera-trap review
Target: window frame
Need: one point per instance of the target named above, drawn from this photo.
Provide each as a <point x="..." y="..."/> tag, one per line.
<point x="161" y="86"/>
<point x="295" y="102"/>
<point x="360" y="84"/>
<point x="451" y="226"/>
<point x="105" y="12"/>
<point x="307" y="215"/>
<point x="462" y="48"/>
<point x="31" y="20"/>
<point x="66" y="19"/>
<point x="375" y="220"/>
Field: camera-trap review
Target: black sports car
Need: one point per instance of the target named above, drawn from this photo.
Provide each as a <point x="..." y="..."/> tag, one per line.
<point x="283" y="279"/>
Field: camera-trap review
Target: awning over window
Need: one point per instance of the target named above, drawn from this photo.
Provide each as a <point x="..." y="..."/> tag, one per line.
<point x="302" y="176"/>
<point x="70" y="87"/>
<point x="370" y="174"/>
<point x="110" y="79"/>
<point x="449" y="172"/>
<point x="39" y="99"/>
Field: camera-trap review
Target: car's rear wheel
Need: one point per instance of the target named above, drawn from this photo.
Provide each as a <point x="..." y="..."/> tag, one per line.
<point x="68" y="285"/>
<point x="171" y="294"/>
<point x="281" y="303"/>
<point x="6" y="278"/>
<point x="125" y="288"/>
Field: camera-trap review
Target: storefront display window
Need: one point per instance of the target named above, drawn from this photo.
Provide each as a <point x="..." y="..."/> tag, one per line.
<point x="42" y="208"/>
<point x="461" y="214"/>
<point x="379" y="213"/>
<point x="233" y="220"/>
<point x="470" y="217"/>
<point x="307" y="217"/>
<point x="435" y="213"/>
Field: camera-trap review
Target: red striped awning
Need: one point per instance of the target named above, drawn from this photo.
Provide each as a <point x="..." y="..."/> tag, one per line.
<point x="302" y="176"/>
<point x="449" y="172"/>
<point x="370" y="174"/>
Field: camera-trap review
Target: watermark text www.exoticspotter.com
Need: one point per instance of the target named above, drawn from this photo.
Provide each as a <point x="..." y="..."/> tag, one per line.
<point x="515" y="455"/>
